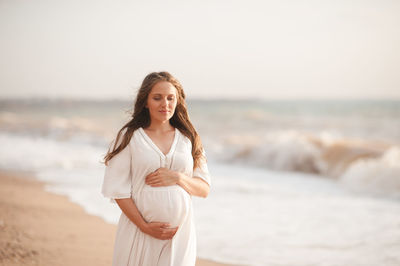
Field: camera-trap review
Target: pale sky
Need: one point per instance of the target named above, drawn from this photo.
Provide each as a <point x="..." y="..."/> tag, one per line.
<point x="217" y="49"/>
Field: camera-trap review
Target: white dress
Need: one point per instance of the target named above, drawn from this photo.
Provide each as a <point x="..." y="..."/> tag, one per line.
<point x="125" y="178"/>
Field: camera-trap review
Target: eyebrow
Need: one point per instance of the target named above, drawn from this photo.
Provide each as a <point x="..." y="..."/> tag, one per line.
<point x="160" y="94"/>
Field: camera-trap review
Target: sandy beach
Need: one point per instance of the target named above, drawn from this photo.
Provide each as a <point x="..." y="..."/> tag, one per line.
<point x="41" y="228"/>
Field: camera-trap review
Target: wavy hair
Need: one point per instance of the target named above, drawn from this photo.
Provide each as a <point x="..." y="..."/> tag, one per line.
<point x="141" y="118"/>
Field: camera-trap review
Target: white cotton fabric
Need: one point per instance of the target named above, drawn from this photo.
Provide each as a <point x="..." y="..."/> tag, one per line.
<point x="125" y="178"/>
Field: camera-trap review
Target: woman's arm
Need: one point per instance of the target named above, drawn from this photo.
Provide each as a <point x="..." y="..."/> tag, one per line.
<point x="164" y="177"/>
<point x="194" y="185"/>
<point x="155" y="229"/>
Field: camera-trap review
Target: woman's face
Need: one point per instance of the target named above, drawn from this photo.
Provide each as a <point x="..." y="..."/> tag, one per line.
<point x="162" y="101"/>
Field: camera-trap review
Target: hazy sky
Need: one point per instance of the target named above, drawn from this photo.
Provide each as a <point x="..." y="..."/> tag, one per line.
<point x="231" y="49"/>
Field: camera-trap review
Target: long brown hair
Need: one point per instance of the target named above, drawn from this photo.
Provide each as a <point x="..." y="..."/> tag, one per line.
<point x="141" y="118"/>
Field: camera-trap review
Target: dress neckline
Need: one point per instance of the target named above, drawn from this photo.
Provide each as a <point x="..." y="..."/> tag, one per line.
<point x="155" y="147"/>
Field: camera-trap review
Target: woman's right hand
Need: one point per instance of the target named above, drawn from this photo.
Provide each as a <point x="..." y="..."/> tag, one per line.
<point x="159" y="230"/>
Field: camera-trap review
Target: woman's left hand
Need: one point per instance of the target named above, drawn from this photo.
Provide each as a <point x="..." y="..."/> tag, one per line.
<point x="162" y="177"/>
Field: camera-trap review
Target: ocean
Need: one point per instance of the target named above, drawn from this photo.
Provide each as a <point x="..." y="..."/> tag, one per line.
<point x="306" y="182"/>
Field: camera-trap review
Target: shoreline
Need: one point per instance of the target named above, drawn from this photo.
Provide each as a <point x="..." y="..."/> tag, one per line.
<point x="42" y="228"/>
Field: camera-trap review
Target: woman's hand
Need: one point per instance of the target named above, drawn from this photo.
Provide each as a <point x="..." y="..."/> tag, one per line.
<point x="162" y="177"/>
<point x="158" y="230"/>
<point x="154" y="229"/>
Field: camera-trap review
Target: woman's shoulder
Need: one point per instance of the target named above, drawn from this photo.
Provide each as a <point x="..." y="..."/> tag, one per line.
<point x="136" y="135"/>
<point x="124" y="135"/>
<point x="183" y="138"/>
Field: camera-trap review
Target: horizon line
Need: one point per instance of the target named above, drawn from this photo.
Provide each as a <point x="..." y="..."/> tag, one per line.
<point x="228" y="99"/>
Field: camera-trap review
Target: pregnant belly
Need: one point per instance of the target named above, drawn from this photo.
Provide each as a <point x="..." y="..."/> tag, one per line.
<point x="164" y="204"/>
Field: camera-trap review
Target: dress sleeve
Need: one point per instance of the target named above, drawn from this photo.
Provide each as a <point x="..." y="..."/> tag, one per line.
<point x="202" y="170"/>
<point x="117" y="176"/>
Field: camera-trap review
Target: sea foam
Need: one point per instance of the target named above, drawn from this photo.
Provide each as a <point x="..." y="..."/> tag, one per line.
<point x="379" y="176"/>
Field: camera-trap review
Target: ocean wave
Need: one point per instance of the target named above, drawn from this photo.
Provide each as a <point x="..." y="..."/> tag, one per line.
<point x="378" y="176"/>
<point x="366" y="166"/>
<point x="290" y="150"/>
<point x="322" y="152"/>
<point x="39" y="153"/>
<point x="59" y="127"/>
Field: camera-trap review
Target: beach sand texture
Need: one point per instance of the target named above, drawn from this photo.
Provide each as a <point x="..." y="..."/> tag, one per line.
<point x="41" y="228"/>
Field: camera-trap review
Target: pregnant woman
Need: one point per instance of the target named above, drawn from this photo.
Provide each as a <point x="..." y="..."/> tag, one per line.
<point x="153" y="167"/>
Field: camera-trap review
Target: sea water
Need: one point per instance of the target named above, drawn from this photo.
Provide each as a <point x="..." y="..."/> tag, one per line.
<point x="278" y="197"/>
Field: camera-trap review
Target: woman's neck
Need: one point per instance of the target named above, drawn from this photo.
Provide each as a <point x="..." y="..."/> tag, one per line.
<point x="160" y="126"/>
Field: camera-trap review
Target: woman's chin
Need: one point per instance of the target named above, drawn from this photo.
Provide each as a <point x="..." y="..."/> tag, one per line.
<point x="163" y="118"/>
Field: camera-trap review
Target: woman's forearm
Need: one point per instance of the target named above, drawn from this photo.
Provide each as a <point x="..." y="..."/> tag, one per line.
<point x="165" y="177"/>
<point x="193" y="185"/>
<point x="129" y="208"/>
